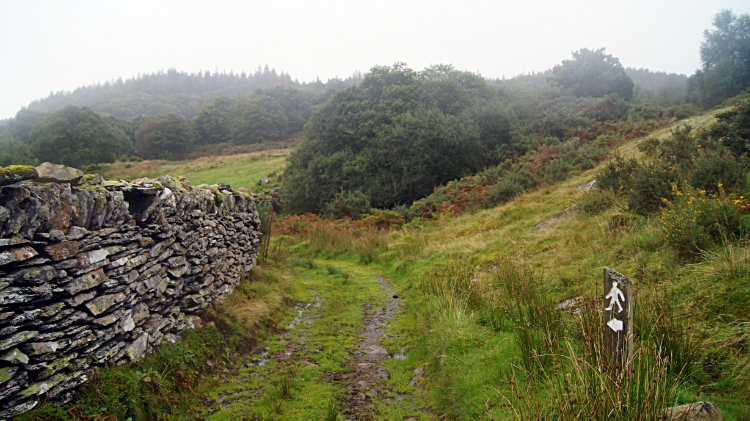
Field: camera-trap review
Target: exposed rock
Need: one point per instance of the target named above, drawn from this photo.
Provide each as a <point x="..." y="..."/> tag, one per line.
<point x="377" y="352"/>
<point x="698" y="411"/>
<point x="53" y="173"/>
<point x="587" y="186"/>
<point x="570" y="306"/>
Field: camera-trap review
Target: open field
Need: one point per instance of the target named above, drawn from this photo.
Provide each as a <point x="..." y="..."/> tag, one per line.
<point x="243" y="170"/>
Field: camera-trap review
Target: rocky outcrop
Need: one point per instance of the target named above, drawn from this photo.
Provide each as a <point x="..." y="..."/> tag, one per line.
<point x="101" y="272"/>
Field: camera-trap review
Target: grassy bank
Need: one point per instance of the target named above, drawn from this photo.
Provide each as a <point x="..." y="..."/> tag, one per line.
<point x="242" y="170"/>
<point x="483" y="285"/>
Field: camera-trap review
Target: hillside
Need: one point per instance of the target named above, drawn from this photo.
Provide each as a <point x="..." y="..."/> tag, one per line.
<point x="466" y="304"/>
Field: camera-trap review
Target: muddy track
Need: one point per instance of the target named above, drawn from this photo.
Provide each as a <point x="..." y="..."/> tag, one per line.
<point x="363" y="379"/>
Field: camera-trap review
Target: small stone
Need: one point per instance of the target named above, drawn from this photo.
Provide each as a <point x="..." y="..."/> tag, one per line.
<point x="99" y="305"/>
<point x="38" y="348"/>
<point x="87" y="281"/>
<point x="76" y="233"/>
<point x="373" y="393"/>
<point x="362" y="384"/>
<point x="91" y="257"/>
<point x="79" y="299"/>
<point x="7" y="373"/>
<point x="52" y="173"/>
<point x="698" y="411"/>
<point x="108" y="319"/>
<point x="376" y="352"/>
<point x="137" y="348"/>
<point x="384" y="374"/>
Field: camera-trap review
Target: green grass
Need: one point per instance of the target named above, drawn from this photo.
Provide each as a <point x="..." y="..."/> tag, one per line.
<point x="297" y="390"/>
<point x="470" y="356"/>
<point x="244" y="170"/>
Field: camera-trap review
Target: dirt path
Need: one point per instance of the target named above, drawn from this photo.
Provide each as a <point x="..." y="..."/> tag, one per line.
<point x="364" y="379"/>
<point x="330" y="361"/>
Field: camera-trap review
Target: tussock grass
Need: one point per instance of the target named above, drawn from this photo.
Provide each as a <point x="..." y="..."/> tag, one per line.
<point x="254" y="301"/>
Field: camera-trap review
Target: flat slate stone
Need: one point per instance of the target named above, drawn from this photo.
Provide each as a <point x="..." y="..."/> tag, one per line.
<point x="53" y="173"/>
<point x="18" y="254"/>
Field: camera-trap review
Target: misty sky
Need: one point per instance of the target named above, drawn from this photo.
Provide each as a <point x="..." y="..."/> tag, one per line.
<point x="60" y="45"/>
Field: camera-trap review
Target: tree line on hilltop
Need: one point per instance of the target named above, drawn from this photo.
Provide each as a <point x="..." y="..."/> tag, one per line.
<point x="388" y="137"/>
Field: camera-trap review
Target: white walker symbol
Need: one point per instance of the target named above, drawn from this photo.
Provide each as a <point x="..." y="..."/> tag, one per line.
<point x="615" y="325"/>
<point x="613" y="298"/>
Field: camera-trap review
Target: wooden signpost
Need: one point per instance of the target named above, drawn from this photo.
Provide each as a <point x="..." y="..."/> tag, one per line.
<point x="618" y="317"/>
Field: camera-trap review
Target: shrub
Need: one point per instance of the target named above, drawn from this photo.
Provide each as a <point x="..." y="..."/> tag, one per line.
<point x="502" y="192"/>
<point x="694" y="220"/>
<point x="596" y="201"/>
<point x="649" y="185"/>
<point x="516" y="180"/>
<point x="556" y="170"/>
<point x="712" y="168"/>
<point x="616" y="174"/>
<point x="353" y="204"/>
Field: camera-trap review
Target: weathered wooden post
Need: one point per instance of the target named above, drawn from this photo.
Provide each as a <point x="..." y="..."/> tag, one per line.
<point x="618" y="316"/>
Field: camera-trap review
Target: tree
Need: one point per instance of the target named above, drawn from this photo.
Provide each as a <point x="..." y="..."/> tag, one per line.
<point x="725" y="59"/>
<point x="212" y="124"/>
<point x="397" y="136"/>
<point x="593" y="73"/>
<point x="258" y="119"/>
<point x="166" y="136"/>
<point x="14" y="151"/>
<point x="77" y="136"/>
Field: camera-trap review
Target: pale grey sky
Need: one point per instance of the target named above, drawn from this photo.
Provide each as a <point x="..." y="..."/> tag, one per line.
<point x="63" y="44"/>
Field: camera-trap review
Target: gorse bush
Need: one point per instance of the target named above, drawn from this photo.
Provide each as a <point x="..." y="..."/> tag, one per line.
<point x="715" y="167"/>
<point x="649" y="186"/>
<point x="616" y="174"/>
<point x="696" y="220"/>
<point x="596" y="201"/>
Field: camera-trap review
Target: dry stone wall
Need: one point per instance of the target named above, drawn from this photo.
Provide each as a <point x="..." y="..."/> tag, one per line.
<point x="101" y="272"/>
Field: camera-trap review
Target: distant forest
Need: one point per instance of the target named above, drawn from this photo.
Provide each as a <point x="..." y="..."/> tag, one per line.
<point x="178" y="92"/>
